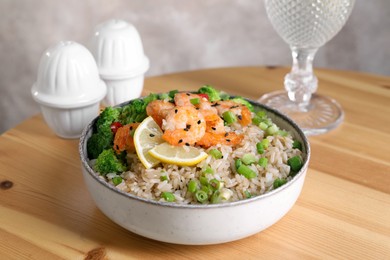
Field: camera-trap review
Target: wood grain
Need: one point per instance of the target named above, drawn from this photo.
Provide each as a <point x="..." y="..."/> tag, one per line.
<point x="343" y="211"/>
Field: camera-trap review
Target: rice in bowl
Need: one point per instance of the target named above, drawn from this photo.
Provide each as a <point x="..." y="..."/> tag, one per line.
<point x="270" y="168"/>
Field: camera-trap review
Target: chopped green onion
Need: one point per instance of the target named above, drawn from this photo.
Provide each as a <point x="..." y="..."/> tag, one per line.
<point x="260" y="148"/>
<point x="207" y="189"/>
<point x="261" y="113"/>
<point x="229" y="117"/>
<point x="203" y="180"/>
<point x="256" y="120"/>
<point x="282" y="133"/>
<point x="297" y="145"/>
<point x="192" y="186"/>
<point x="168" y="196"/>
<point x="279" y="182"/>
<point x="246" y="172"/>
<point x="195" y="101"/>
<point x="273" y="129"/>
<point x="265" y="143"/>
<point x="224" y="96"/>
<point x="215" y="198"/>
<point x="117" y="180"/>
<point x="163" y="177"/>
<point x="295" y="163"/>
<point x="208" y="170"/>
<point x="225" y="194"/>
<point x="263" y="126"/>
<point x="247" y="194"/>
<point x="201" y="196"/>
<point x="263" y="162"/>
<point x="248" y="158"/>
<point x="215" y="153"/>
<point x="172" y="93"/>
<point x="215" y="184"/>
<point x="237" y="163"/>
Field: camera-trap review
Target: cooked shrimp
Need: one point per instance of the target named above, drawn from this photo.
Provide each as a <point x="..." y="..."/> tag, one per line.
<point x="184" y="99"/>
<point x="158" y="109"/>
<point x="214" y="124"/>
<point x="211" y="139"/>
<point x="241" y="111"/>
<point x="183" y="126"/>
<point x="124" y="139"/>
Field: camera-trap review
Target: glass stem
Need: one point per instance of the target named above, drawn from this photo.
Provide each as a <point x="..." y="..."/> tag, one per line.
<point x="301" y="82"/>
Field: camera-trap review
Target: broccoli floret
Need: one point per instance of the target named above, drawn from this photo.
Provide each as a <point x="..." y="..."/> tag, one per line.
<point x="97" y="143"/>
<point x="136" y="110"/>
<point x="107" y="162"/>
<point x="106" y="118"/>
<point x="103" y="136"/>
<point x="211" y="92"/>
<point x="241" y="100"/>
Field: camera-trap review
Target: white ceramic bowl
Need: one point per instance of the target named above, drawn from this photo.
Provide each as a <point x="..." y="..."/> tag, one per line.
<point x="68" y="88"/>
<point x="196" y="224"/>
<point x="118" y="51"/>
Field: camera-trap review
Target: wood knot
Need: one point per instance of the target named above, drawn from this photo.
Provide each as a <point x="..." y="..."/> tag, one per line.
<point x="96" y="254"/>
<point x="5" y="185"/>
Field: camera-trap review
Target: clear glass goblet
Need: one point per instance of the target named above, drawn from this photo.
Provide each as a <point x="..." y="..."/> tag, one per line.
<point x="306" y="25"/>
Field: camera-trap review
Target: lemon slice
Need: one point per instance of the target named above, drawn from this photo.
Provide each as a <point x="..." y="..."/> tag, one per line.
<point x="147" y="135"/>
<point x="179" y="155"/>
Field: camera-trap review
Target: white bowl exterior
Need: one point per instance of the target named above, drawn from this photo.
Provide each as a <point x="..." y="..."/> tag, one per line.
<point x="121" y="90"/>
<point x="191" y="226"/>
<point x="69" y="123"/>
<point x="68" y="77"/>
<point x="118" y="50"/>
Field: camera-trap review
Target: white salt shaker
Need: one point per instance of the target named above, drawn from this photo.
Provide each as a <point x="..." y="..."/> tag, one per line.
<point x="68" y="88"/>
<point x="119" y="54"/>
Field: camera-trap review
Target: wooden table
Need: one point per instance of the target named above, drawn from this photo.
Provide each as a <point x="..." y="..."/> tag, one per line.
<point x="343" y="211"/>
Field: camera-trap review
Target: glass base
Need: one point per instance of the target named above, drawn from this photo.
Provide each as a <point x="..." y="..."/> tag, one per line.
<point x="320" y="116"/>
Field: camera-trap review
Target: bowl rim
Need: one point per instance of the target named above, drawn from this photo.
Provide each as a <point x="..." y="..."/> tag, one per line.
<point x="300" y="173"/>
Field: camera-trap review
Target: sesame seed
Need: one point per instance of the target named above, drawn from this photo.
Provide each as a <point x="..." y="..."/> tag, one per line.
<point x="239" y="117"/>
<point x="214" y="128"/>
<point x="226" y="134"/>
<point x="199" y="122"/>
<point x="151" y="135"/>
<point x="188" y="126"/>
<point x="180" y="141"/>
<point x="228" y="140"/>
<point x="175" y="111"/>
<point x="187" y="144"/>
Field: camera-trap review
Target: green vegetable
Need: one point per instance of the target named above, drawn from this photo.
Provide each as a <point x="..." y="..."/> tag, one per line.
<point x="282" y="133"/>
<point x="243" y="101"/>
<point x="211" y="92"/>
<point x="103" y="137"/>
<point x="265" y="143"/>
<point x="216" y="197"/>
<point x="215" y="184"/>
<point x="168" y="196"/>
<point x="117" y="180"/>
<point x="237" y="163"/>
<point x="208" y="170"/>
<point x="247" y="194"/>
<point x="195" y="101"/>
<point x="201" y="196"/>
<point x="246" y="172"/>
<point x="172" y="93"/>
<point x="203" y="180"/>
<point x="164" y="96"/>
<point x="263" y="162"/>
<point x="192" y="186"/>
<point x="271" y="130"/>
<point x="229" y="117"/>
<point x="263" y="126"/>
<point x="297" y="145"/>
<point x="99" y="142"/>
<point x="279" y="182"/>
<point x="107" y="162"/>
<point x="136" y="110"/>
<point x="260" y="148"/>
<point x="164" y="178"/>
<point x="261" y="114"/>
<point x="224" y="96"/>
<point x="215" y="153"/>
<point x="295" y="163"/>
<point x="248" y="158"/>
